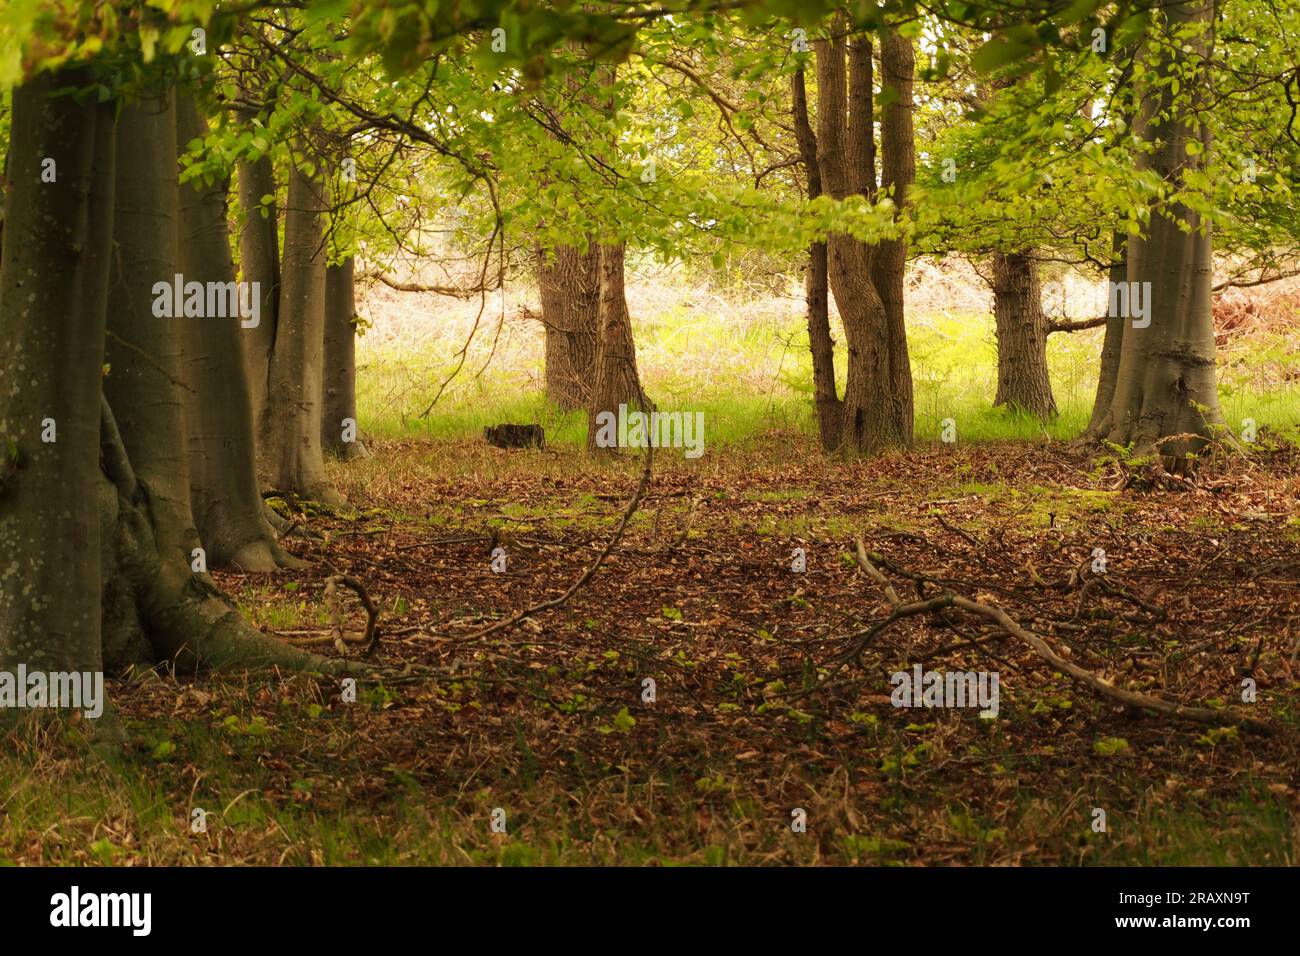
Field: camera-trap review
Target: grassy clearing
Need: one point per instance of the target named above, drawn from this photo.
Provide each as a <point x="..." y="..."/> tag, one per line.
<point x="745" y="364"/>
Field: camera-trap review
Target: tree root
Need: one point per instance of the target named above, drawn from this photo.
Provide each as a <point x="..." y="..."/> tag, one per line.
<point x="163" y="610"/>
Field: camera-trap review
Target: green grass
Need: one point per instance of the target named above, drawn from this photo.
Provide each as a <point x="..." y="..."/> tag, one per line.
<point x="755" y="379"/>
<point x="1252" y="830"/>
<point x="336" y="807"/>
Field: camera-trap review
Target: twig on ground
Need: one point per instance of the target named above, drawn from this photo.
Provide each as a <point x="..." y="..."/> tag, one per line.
<point x="1201" y="715"/>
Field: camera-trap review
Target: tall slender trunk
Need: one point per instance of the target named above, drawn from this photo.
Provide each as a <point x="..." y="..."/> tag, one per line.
<point x="227" y="506"/>
<point x="1165" y="385"/>
<point x="291" y="427"/>
<point x="144" y="385"/>
<point x="1112" y="342"/>
<point x="259" y="261"/>
<point x="338" y="426"/>
<point x="1022" y="328"/>
<point x="898" y="172"/>
<point x="54" y="275"/>
<point x="568" y="281"/>
<point x="147" y="613"/>
<point x="617" y="380"/>
<point x="820" y="344"/>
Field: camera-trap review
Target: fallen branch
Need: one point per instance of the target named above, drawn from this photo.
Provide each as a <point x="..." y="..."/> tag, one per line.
<point x="1200" y="715"/>
<point x="371" y="636"/>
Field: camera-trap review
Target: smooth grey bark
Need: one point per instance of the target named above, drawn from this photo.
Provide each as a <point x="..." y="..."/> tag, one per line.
<point x="227" y="505"/>
<point x="151" y="529"/>
<point x="93" y="574"/>
<point x="339" y="379"/>
<point x="144" y="385"/>
<point x="1112" y="343"/>
<point x="1165" y="385"/>
<point x="292" y="424"/>
<point x="1022" y="328"/>
<point x="259" y="261"/>
<point x="54" y="274"/>
<point x="156" y="608"/>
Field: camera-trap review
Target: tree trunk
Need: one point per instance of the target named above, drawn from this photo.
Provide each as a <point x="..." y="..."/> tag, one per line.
<point x="877" y="405"/>
<point x="1165" y="385"/>
<point x="898" y="172"/>
<point x="338" y="428"/>
<point x="157" y="607"/>
<point x="224" y="496"/>
<point x="259" y="261"/>
<point x="144" y="384"/>
<point x="1111" y="345"/>
<point x="1022" y="329"/>
<point x="616" y="381"/>
<point x="829" y="408"/>
<point x="568" y="281"/>
<point x="292" y="425"/>
<point x="54" y="275"/>
<point x="94" y="572"/>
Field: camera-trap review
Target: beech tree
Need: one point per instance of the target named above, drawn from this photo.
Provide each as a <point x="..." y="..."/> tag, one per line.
<point x="830" y="409"/>
<point x="227" y="504"/>
<point x="1022" y="328"/>
<point x="1166" y="397"/>
<point x="103" y="566"/>
<point x="99" y="570"/>
<point x="55" y="260"/>
<point x="259" y="265"/>
<point x="1165" y="394"/>
<point x="293" y="421"/>
<point x="338" y="423"/>
<point x="1017" y="178"/>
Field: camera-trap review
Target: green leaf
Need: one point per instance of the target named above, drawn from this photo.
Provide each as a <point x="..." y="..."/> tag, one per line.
<point x="1110" y="746"/>
<point x="624" y="722"/>
<point x="998" y="53"/>
<point x="163" y="750"/>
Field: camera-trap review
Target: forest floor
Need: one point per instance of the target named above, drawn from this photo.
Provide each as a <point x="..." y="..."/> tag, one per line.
<point x="753" y="716"/>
